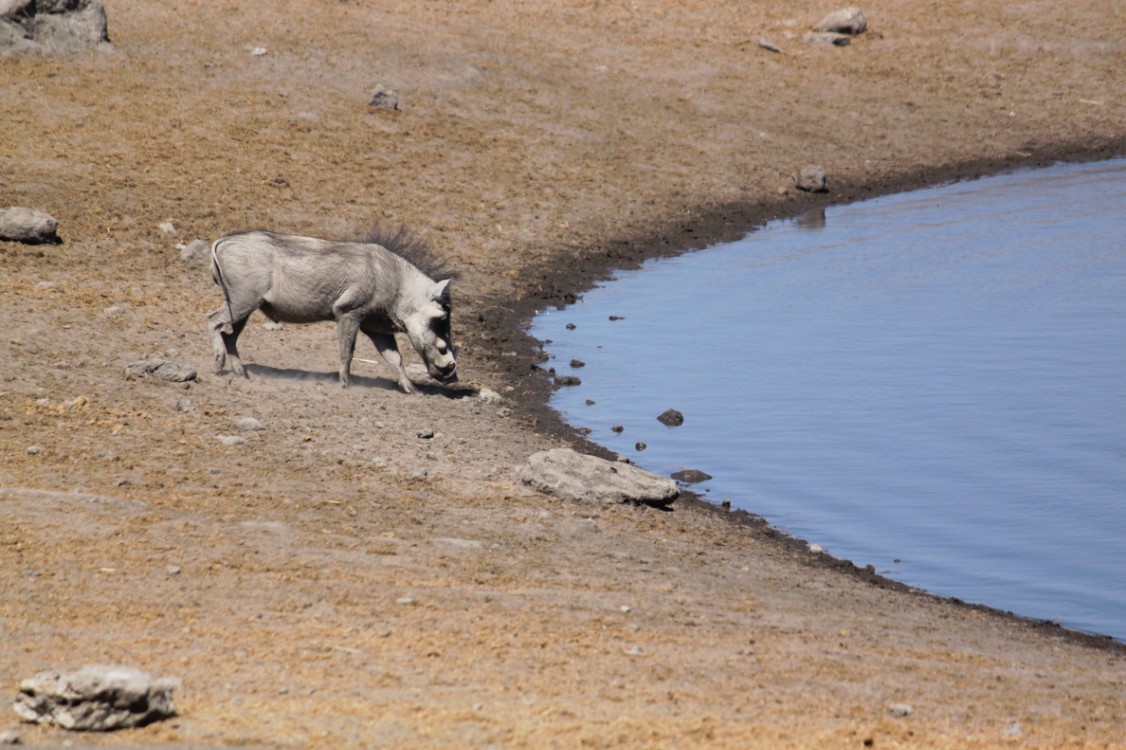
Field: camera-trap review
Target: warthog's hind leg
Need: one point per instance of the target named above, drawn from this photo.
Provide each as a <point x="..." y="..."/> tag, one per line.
<point x="389" y="350"/>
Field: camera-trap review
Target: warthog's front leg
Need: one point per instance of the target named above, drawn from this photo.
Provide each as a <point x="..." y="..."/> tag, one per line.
<point x="389" y="350"/>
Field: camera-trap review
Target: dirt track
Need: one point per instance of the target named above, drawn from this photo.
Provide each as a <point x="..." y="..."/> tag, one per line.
<point x="340" y="581"/>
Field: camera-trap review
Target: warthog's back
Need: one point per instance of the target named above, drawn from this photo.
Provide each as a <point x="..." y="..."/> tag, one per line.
<point x="304" y="279"/>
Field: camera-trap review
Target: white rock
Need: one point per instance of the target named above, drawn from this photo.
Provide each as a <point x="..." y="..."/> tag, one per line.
<point x="844" y="21"/>
<point x="95" y="698"/>
<point x="900" y="710"/>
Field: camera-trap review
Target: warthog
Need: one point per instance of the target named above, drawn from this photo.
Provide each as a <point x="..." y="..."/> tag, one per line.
<point x="363" y="286"/>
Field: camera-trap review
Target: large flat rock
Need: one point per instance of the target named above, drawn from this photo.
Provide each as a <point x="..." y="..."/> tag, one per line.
<point x="589" y="479"/>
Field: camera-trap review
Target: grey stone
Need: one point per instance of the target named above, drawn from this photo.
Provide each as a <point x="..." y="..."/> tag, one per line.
<point x="671" y="418"/>
<point x="232" y="441"/>
<point x="160" y="368"/>
<point x="249" y="424"/>
<point x="489" y="396"/>
<point x="383" y="98"/>
<point x="97" y="698"/>
<point x="691" y="476"/>
<point x="197" y="249"/>
<point x="588" y="479"/>
<point x="28" y="225"/>
<point x="844" y="21"/>
<point x="812" y="178"/>
<point x="52" y="26"/>
<point x="567" y="380"/>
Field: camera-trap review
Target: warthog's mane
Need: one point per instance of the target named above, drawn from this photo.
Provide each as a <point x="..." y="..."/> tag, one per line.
<point x="414" y="249"/>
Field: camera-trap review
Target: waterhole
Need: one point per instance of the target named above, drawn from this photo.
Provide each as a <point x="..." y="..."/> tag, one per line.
<point x="933" y="383"/>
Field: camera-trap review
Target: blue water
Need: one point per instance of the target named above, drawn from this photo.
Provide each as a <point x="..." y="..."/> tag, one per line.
<point x="933" y="383"/>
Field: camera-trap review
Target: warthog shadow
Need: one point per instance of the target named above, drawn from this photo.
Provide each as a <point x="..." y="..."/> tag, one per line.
<point x="430" y="388"/>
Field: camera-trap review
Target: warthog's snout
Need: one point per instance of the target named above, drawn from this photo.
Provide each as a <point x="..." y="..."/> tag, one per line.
<point x="447" y="374"/>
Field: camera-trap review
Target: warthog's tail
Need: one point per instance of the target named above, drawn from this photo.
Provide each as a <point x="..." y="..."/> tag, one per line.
<point x="218" y="274"/>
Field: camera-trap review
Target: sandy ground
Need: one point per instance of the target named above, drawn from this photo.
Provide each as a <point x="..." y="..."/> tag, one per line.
<point x="340" y="581"/>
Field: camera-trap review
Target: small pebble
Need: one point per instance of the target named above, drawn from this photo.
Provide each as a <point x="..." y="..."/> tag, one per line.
<point x="640" y="446"/>
<point x="34" y="450"/>
<point x="618" y="428"/>
<point x="232" y="440"/>
<point x="173" y="570"/>
<point x="249" y="424"/>
<point x="900" y="710"/>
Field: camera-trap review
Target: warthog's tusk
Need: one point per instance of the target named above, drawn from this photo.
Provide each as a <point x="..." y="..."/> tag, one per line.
<point x="369" y="361"/>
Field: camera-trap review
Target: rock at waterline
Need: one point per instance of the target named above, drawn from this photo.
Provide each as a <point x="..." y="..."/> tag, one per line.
<point x="95" y="698"/>
<point x="671" y="417"/>
<point x="29" y="225"/>
<point x="589" y="479"/>
<point x="812" y="179"/>
<point x="567" y="380"/>
<point x="691" y="476"/>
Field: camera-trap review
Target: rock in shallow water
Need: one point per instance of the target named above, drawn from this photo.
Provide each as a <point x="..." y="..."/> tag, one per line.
<point x="95" y="698"/>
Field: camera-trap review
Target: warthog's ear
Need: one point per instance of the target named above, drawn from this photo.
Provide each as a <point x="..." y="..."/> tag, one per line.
<point x="441" y="292"/>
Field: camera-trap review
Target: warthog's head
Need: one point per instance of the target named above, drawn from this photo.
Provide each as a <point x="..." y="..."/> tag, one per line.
<point x="428" y="329"/>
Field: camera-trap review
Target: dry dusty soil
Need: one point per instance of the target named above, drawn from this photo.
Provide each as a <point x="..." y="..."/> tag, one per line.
<point x="340" y="581"/>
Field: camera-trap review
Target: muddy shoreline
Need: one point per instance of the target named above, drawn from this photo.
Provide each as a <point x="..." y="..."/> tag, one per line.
<point x="560" y="285"/>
